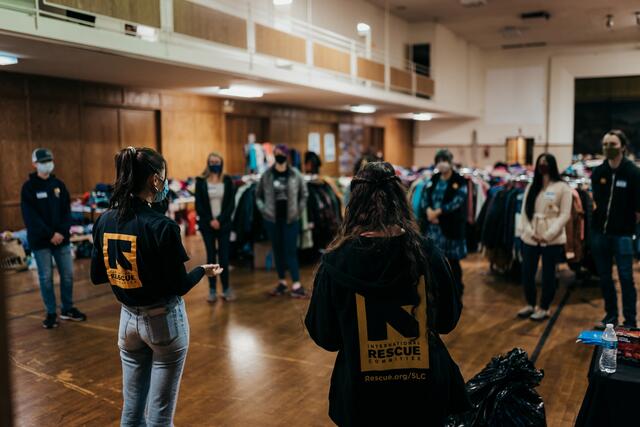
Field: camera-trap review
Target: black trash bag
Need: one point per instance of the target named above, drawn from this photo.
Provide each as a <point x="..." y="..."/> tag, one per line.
<point x="503" y="394"/>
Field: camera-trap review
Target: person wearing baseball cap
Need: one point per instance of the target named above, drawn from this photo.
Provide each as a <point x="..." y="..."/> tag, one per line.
<point x="46" y="210"/>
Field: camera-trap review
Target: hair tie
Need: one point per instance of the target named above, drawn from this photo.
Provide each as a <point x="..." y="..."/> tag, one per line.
<point x="132" y="150"/>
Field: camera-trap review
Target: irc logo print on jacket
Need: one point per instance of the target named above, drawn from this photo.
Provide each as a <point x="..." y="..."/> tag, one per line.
<point x="119" y="251"/>
<point x="392" y="336"/>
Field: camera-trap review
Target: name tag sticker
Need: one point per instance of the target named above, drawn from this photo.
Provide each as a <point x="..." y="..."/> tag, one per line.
<point x="41" y="195"/>
<point x="549" y="195"/>
<point x="621" y="184"/>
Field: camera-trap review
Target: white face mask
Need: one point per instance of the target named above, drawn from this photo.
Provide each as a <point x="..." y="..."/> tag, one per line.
<point x="44" y="168"/>
<point x="443" y="167"/>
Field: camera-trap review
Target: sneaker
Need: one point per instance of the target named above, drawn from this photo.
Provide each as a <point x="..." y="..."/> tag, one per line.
<point x="229" y="296"/>
<point x="51" y="321"/>
<point x="299" y="293"/>
<point x="73" y="314"/>
<point x="540" y="315"/>
<point x="279" y="290"/>
<point x="602" y="325"/>
<point x="212" y="298"/>
<point x="526" y="312"/>
<point x="630" y="325"/>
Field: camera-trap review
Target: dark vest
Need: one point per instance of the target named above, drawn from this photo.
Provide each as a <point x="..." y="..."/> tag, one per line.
<point x="452" y="223"/>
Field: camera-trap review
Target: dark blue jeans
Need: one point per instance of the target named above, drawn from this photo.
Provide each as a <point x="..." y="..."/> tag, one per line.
<point x="64" y="262"/>
<point x="284" y="241"/>
<point x="605" y="249"/>
<point x="217" y="244"/>
<point x="530" y="257"/>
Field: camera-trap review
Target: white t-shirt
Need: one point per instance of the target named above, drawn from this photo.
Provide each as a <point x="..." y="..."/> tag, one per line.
<point x="216" y="194"/>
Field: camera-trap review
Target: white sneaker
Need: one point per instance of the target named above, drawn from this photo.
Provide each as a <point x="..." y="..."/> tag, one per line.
<point x="526" y="312"/>
<point x="540" y="314"/>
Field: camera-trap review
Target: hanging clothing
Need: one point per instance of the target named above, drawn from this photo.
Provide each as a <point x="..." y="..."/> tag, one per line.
<point x="451" y="197"/>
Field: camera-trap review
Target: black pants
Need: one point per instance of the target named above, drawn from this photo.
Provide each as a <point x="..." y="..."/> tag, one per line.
<point x="605" y="250"/>
<point x="530" y="257"/>
<point x="219" y="255"/>
<point x="456" y="269"/>
<point x="284" y="241"/>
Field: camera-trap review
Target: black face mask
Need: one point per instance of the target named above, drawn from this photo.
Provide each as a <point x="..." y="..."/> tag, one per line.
<point x="281" y="159"/>
<point x="215" y="169"/>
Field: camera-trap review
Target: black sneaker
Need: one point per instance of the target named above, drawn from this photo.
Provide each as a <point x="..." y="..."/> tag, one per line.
<point x="73" y="314"/>
<point x="630" y="325"/>
<point x="279" y="290"/>
<point x="299" y="293"/>
<point x="51" y="321"/>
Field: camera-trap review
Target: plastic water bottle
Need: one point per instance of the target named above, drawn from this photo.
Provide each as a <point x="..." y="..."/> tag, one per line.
<point x="608" y="359"/>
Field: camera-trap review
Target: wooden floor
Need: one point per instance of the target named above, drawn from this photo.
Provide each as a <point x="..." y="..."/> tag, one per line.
<point x="251" y="362"/>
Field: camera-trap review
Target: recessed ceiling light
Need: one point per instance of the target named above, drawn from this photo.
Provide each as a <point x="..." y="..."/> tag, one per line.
<point x="8" y="59"/>
<point x="422" y="117"/>
<point x="282" y="2"/>
<point x="363" y="28"/>
<point x="362" y="109"/>
<point x="241" y="92"/>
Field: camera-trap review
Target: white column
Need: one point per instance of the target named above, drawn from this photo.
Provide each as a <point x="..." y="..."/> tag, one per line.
<point x="166" y="15"/>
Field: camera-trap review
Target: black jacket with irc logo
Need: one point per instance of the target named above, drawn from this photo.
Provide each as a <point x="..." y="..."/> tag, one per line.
<point x="142" y="257"/>
<point x="616" y="194"/>
<point x="46" y="209"/>
<point x="392" y="369"/>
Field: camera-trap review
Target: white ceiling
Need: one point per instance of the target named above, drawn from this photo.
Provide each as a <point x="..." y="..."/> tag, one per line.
<point x="572" y="21"/>
<point x="56" y="60"/>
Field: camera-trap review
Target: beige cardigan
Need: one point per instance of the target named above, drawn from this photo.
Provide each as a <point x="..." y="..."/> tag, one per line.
<point x="551" y="214"/>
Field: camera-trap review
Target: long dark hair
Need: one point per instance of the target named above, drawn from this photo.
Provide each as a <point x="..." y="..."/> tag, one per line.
<point x="536" y="186"/>
<point x="378" y="202"/>
<point x="133" y="167"/>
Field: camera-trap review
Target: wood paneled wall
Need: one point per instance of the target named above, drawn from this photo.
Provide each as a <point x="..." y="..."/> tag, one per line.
<point x="398" y="141"/>
<point x="424" y="85"/>
<point x="280" y="44"/>
<point x="400" y="79"/>
<point x="205" y="23"/>
<point x="331" y="59"/>
<point x="192" y="127"/>
<point x="145" y="12"/>
<point x="370" y="70"/>
<point x="86" y="124"/>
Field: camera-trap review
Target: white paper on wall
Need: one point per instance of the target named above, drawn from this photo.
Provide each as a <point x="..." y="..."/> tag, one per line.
<point x="314" y="142"/>
<point x="329" y="147"/>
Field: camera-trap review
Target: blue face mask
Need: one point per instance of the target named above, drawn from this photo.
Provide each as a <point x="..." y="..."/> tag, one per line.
<point x="215" y="169"/>
<point x="162" y="194"/>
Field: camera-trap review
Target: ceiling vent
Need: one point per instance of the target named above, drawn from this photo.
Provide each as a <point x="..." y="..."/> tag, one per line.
<point x="524" y="45"/>
<point x="473" y="3"/>
<point x="538" y="14"/>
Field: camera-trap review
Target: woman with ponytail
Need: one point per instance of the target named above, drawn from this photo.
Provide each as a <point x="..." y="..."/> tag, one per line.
<point x="139" y="252"/>
<point x="215" y="202"/>
<point x="381" y="297"/>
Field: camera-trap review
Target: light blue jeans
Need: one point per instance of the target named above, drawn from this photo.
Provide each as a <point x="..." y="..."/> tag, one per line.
<point x="64" y="262"/>
<point x="153" y="345"/>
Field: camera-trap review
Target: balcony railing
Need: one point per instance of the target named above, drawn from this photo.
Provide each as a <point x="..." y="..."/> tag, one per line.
<point x="262" y="34"/>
